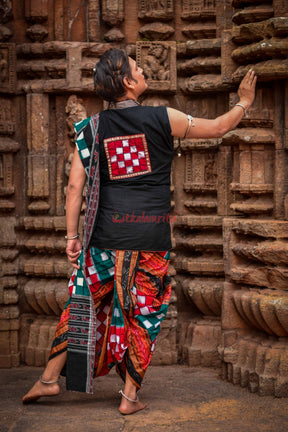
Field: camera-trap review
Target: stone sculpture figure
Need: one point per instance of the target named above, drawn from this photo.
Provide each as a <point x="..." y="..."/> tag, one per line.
<point x="156" y="65"/>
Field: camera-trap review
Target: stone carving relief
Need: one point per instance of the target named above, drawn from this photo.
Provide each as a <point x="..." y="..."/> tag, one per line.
<point x="158" y="60"/>
<point x="156" y="9"/>
<point x="75" y="112"/>
<point x="198" y="9"/>
<point x="7" y="67"/>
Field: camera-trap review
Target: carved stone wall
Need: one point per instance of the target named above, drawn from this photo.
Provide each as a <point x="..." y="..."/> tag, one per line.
<point x="229" y="196"/>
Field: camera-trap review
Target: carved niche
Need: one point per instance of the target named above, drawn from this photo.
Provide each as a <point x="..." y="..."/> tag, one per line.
<point x="7" y="68"/>
<point x="158" y="61"/>
<point x="156" y="9"/>
<point x="195" y="9"/>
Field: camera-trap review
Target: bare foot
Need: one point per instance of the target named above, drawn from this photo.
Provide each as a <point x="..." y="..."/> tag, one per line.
<point x="127" y="407"/>
<point x="39" y="390"/>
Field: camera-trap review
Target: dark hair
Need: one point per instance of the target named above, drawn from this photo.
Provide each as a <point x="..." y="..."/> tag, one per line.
<point x="109" y="73"/>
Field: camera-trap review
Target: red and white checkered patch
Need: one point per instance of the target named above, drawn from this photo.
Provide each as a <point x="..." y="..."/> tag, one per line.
<point x="127" y="156"/>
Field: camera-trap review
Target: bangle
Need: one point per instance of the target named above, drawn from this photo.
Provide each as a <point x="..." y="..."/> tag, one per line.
<point x="190" y="120"/>
<point x="72" y="237"/>
<point x="243" y="107"/>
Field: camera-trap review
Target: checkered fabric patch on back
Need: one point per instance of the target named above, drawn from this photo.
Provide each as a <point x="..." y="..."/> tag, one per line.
<point x="127" y="156"/>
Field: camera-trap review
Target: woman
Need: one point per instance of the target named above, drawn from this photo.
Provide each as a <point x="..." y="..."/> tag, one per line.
<point x="120" y="288"/>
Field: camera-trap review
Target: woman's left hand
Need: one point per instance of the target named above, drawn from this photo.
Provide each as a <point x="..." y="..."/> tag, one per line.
<point x="73" y="251"/>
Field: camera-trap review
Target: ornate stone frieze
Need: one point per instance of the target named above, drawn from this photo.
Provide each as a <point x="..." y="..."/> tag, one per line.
<point x="158" y="9"/>
<point x="7" y="68"/>
<point x="158" y="60"/>
<point x="200" y="171"/>
<point x="198" y="9"/>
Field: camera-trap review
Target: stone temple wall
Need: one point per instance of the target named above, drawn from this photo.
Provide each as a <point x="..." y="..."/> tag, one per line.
<point x="229" y="306"/>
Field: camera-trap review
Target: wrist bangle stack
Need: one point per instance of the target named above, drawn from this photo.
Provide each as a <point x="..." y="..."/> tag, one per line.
<point x="72" y="237"/>
<point x="243" y="107"/>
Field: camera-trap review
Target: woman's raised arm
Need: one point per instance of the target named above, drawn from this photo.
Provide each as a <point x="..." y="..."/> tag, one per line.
<point x="182" y="127"/>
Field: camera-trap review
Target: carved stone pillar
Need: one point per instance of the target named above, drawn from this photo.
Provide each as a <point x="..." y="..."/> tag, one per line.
<point x="254" y="317"/>
<point x="38" y="148"/>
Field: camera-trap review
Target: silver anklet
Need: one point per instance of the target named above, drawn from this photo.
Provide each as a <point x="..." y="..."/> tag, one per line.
<point x="126" y="397"/>
<point x="47" y="382"/>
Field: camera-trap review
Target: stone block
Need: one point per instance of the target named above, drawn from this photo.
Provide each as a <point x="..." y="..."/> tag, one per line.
<point x="7" y="231"/>
<point x="36" y="339"/>
<point x="202" y="340"/>
<point x="230" y="317"/>
<point x="266" y="385"/>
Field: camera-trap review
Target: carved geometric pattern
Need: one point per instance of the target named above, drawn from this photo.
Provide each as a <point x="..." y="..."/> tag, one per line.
<point x="127" y="156"/>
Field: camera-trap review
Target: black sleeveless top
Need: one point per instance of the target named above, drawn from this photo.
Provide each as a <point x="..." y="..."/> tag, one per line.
<point x="136" y="151"/>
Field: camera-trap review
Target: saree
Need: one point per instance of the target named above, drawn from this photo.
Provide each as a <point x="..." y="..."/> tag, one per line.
<point x="130" y="293"/>
<point x="117" y="298"/>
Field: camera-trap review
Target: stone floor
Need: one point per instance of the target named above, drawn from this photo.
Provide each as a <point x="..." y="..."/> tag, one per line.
<point x="179" y="399"/>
